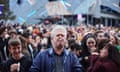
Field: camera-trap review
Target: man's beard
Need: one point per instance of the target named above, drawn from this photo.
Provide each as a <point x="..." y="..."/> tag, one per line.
<point x="60" y="46"/>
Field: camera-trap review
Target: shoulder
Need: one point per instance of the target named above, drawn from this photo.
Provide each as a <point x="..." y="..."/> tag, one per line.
<point x="110" y="64"/>
<point x="43" y="54"/>
<point x="26" y="59"/>
<point x="94" y="58"/>
<point x="72" y="56"/>
<point x="6" y="64"/>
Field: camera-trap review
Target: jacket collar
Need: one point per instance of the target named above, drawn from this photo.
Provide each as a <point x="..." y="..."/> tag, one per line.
<point x="51" y="52"/>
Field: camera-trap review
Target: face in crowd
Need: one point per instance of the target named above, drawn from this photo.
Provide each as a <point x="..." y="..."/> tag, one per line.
<point x="15" y="48"/>
<point x="59" y="38"/>
<point x="104" y="53"/>
<point x="100" y="36"/>
<point x="91" y="42"/>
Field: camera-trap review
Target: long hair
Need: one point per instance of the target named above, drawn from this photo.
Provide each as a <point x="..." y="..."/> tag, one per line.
<point x="102" y="43"/>
<point x="114" y="54"/>
<point x="85" y="50"/>
<point x="116" y="40"/>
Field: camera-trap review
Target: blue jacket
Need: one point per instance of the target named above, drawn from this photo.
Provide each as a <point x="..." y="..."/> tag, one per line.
<point x="45" y="62"/>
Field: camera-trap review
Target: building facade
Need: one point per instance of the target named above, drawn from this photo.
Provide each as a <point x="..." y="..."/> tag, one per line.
<point x="106" y="12"/>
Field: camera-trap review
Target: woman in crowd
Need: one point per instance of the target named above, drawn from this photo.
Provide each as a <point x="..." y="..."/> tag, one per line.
<point x="114" y="40"/>
<point x="108" y="59"/>
<point x="88" y="44"/>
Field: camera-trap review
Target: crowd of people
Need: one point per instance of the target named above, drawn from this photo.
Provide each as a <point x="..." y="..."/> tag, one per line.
<point x="59" y="48"/>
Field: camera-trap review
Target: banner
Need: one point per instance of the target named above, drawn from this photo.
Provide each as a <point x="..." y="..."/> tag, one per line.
<point x="56" y="8"/>
<point x="79" y="16"/>
<point x="1" y="9"/>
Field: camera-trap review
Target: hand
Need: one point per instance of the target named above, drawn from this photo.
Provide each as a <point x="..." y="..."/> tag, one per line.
<point x="14" y="67"/>
<point x="95" y="53"/>
<point x="86" y="57"/>
<point x="93" y="49"/>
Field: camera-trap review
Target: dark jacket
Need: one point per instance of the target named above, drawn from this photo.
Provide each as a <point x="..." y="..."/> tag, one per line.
<point x="4" y="43"/>
<point x="102" y="65"/>
<point x="45" y="62"/>
<point x="25" y="63"/>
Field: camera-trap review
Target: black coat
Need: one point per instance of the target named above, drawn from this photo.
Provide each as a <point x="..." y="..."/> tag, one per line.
<point x="25" y="63"/>
<point x="2" y="44"/>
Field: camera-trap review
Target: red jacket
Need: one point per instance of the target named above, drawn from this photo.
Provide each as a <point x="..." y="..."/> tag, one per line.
<point x="102" y="65"/>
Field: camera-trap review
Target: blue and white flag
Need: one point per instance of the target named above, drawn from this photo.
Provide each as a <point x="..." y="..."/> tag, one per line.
<point x="1" y="9"/>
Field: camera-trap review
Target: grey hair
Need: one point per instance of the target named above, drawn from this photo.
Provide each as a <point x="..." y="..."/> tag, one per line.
<point x="58" y="27"/>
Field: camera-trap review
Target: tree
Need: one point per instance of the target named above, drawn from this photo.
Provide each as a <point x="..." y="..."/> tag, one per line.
<point x="7" y="14"/>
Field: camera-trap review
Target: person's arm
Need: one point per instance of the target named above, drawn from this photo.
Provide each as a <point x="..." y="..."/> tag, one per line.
<point x="4" y="67"/>
<point x="92" y="60"/>
<point x="25" y="65"/>
<point x="77" y="67"/>
<point x="36" y="65"/>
